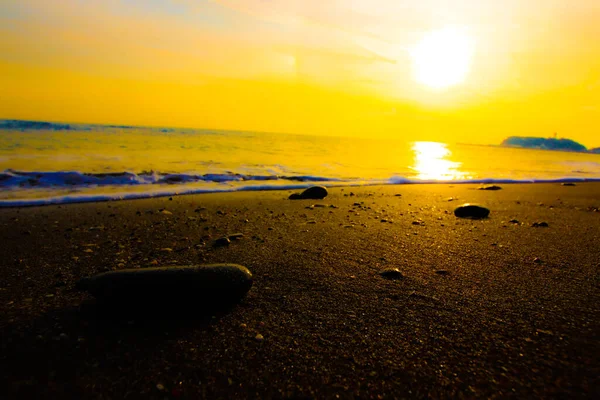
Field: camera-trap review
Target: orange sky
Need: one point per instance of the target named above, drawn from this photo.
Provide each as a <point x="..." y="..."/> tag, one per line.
<point x="338" y="67"/>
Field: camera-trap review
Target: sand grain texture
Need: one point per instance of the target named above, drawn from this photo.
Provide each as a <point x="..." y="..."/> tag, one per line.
<point x="515" y="312"/>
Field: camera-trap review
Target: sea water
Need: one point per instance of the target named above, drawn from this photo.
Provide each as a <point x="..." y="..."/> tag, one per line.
<point x="44" y="163"/>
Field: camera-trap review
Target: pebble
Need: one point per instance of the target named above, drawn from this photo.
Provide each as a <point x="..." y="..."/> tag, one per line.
<point x="568" y="184"/>
<point x="222" y="241"/>
<point x="472" y="211"/>
<point x="391" y="273"/>
<point x="235" y="236"/>
<point x="441" y="272"/>
<point x="540" y="225"/>
<point x="514" y="221"/>
<point x="259" y="337"/>
<point x="313" y="192"/>
<point x="210" y="283"/>
<point x="166" y="212"/>
<point x="489" y="187"/>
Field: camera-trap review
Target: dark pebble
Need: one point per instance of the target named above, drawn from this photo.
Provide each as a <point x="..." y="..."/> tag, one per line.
<point x="222" y="241"/>
<point x="472" y="211"/>
<point x="489" y="187"/>
<point x="568" y="184"/>
<point x="313" y="193"/>
<point x="391" y="273"/>
<point x="235" y="236"/>
<point x="173" y="285"/>
<point x="441" y="272"/>
<point x="514" y="221"/>
<point x="540" y="225"/>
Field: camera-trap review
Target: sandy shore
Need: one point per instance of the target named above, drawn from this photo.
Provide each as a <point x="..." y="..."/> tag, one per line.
<point x="486" y="308"/>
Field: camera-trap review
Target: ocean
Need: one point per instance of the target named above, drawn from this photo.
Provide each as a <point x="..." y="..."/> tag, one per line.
<point x="45" y="163"/>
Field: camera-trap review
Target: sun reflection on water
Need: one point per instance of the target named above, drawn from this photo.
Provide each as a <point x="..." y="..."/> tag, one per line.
<point x="431" y="162"/>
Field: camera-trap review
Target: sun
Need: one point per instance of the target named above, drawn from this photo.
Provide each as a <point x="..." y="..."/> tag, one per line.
<point x="443" y="58"/>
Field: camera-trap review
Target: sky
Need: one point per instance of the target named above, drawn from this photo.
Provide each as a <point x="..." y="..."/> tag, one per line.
<point x="327" y="67"/>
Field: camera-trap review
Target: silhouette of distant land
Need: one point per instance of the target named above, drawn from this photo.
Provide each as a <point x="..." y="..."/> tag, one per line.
<point x="545" y="144"/>
<point x="33" y="125"/>
<point x="595" y="150"/>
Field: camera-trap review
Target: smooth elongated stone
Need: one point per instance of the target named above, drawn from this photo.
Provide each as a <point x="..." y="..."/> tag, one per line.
<point x="313" y="192"/>
<point x="211" y="282"/>
<point x="472" y="211"/>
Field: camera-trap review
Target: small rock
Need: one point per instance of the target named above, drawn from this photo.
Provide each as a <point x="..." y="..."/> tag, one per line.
<point x="197" y="285"/>
<point x="537" y="260"/>
<point x="160" y="386"/>
<point x="441" y="272"/>
<point x="540" y="225"/>
<point x="235" y="236"/>
<point x="471" y="211"/>
<point x="514" y="221"/>
<point x="222" y="241"/>
<point x="259" y="337"/>
<point x="166" y="212"/>
<point x="391" y="273"/>
<point x="313" y="192"/>
<point x="568" y="184"/>
<point x="489" y="187"/>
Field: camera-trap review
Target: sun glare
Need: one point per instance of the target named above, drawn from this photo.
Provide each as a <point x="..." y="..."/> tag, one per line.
<point x="431" y="162"/>
<point x="442" y="58"/>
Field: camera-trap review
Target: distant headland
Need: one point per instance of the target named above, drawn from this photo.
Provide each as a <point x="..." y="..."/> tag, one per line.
<point x="554" y="143"/>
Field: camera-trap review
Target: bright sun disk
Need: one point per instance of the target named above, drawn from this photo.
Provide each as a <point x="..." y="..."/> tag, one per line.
<point x="442" y="58"/>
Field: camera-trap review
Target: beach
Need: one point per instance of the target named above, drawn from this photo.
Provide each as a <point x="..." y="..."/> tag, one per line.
<point x="490" y="308"/>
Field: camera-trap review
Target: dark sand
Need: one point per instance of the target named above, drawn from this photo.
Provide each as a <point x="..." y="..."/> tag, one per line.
<point x="487" y="308"/>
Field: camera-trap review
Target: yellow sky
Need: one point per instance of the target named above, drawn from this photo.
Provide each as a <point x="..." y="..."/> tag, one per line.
<point x="338" y="67"/>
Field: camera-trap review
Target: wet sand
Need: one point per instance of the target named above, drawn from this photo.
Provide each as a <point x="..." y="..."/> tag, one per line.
<point x="486" y="308"/>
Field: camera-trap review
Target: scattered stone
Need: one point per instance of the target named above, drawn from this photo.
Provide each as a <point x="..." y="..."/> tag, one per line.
<point x="235" y="236"/>
<point x="313" y="192"/>
<point x="222" y="241"/>
<point x="441" y="272"/>
<point x="471" y="211"/>
<point x="537" y="260"/>
<point x="514" y="221"/>
<point x="418" y="223"/>
<point x="391" y="273"/>
<point x="397" y="195"/>
<point x="568" y="184"/>
<point x="489" y="187"/>
<point x="160" y="386"/>
<point x="173" y="285"/>
<point x="166" y="212"/>
<point x="540" y="225"/>
<point x="259" y="337"/>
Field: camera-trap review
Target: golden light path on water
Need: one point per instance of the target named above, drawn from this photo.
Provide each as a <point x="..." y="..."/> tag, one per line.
<point x="431" y="162"/>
